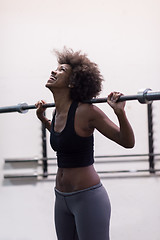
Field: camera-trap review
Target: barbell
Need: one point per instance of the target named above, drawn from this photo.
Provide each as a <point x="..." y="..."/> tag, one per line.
<point x="143" y="96"/>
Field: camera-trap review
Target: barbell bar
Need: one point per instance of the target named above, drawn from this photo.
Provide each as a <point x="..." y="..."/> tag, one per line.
<point x="143" y="96"/>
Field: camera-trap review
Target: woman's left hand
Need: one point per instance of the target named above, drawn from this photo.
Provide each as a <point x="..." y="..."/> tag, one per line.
<point x="112" y="101"/>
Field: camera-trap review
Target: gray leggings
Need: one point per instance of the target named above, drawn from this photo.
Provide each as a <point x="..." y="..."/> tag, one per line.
<point x="83" y="215"/>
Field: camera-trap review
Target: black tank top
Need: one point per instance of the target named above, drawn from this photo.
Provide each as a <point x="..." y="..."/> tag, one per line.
<point x="72" y="150"/>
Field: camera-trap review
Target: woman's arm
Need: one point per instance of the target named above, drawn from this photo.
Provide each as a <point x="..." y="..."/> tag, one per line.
<point x="40" y="114"/>
<point x="123" y="135"/>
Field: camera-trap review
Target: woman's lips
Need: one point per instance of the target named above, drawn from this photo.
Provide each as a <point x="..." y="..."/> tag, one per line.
<point x="52" y="79"/>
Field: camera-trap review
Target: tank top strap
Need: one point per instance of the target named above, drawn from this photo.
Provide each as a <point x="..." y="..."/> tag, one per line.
<point x="53" y="119"/>
<point x="71" y="115"/>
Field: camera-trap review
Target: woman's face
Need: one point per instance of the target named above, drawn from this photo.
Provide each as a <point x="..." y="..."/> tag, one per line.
<point x="60" y="77"/>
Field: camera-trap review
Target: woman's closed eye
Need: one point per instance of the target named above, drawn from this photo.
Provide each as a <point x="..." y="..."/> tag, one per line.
<point x="62" y="69"/>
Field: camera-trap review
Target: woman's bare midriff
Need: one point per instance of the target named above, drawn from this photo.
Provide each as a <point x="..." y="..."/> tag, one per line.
<point x="74" y="179"/>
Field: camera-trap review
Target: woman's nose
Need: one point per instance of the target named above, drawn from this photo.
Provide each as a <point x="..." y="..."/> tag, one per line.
<point x="53" y="73"/>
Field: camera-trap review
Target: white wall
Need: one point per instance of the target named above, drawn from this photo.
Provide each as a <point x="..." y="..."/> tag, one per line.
<point x="123" y="38"/>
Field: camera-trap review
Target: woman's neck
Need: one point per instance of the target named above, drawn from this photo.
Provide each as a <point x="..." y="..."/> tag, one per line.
<point x="62" y="102"/>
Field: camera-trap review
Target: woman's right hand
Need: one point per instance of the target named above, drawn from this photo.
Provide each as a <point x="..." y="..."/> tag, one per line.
<point x="40" y="109"/>
<point x="40" y="114"/>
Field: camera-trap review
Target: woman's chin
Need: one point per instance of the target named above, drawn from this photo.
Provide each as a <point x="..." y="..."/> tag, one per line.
<point x="48" y="85"/>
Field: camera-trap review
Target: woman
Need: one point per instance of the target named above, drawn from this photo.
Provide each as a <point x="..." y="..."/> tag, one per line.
<point x="82" y="207"/>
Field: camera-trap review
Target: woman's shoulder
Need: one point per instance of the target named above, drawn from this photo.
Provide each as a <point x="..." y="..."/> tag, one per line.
<point x="90" y="110"/>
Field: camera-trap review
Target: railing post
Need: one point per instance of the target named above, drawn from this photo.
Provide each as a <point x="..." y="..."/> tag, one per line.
<point x="44" y="151"/>
<point x="150" y="138"/>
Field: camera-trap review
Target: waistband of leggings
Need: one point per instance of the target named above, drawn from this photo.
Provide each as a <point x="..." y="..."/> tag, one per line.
<point x="79" y="191"/>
